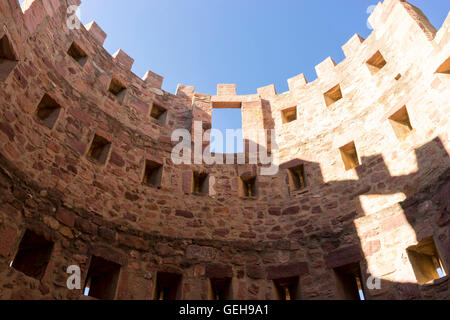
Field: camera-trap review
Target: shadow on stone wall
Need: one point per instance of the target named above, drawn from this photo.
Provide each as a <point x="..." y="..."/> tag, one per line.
<point x="426" y="210"/>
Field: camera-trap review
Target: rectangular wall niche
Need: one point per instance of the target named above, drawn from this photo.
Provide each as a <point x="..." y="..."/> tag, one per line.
<point x="118" y="89"/>
<point x="8" y="58"/>
<point x="349" y="283"/>
<point x="99" y="149"/>
<point x="426" y="261"/>
<point x="102" y="279"/>
<point x="376" y="62"/>
<point x="200" y="183"/>
<point x="333" y="95"/>
<point x="221" y="289"/>
<point x="289" y="115"/>
<point x="159" y="113"/>
<point x="297" y="177"/>
<point x="168" y="286"/>
<point x="152" y="173"/>
<point x="247" y="187"/>
<point x="401" y="124"/>
<point x="287" y="288"/>
<point x="445" y="67"/>
<point x="78" y="54"/>
<point x="48" y="111"/>
<point x="33" y="255"/>
<point x="349" y="156"/>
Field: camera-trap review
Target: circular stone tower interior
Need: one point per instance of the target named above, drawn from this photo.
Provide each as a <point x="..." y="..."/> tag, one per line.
<point x="359" y="201"/>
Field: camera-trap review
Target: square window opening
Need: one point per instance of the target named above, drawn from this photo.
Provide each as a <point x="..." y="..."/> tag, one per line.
<point x="168" y="286"/>
<point x="200" y="183"/>
<point x="159" y="113"/>
<point x="289" y="115"/>
<point x="444" y="67"/>
<point x="426" y="261"/>
<point x="33" y="255"/>
<point x="152" y="173"/>
<point x="48" y="111"/>
<point x="287" y="288"/>
<point x="349" y="282"/>
<point x="102" y="279"/>
<point x="401" y="123"/>
<point x="78" y="54"/>
<point x="8" y="58"/>
<point x="349" y="156"/>
<point x="248" y="187"/>
<point x="376" y="62"/>
<point x="117" y="89"/>
<point x="333" y="95"/>
<point x="297" y="177"/>
<point x="99" y="150"/>
<point x="221" y="289"/>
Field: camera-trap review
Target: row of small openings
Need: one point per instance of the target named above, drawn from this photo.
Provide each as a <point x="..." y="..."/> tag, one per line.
<point x="99" y="151"/>
<point x="400" y="120"/>
<point x="33" y="257"/>
<point x="401" y="125"/>
<point x="34" y="253"/>
<point x="168" y="287"/>
<point x="119" y="90"/>
<point x="247" y="185"/>
<point x="48" y="111"/>
<point x="116" y="87"/>
<point x="331" y="96"/>
<point x="374" y="64"/>
<point x="103" y="277"/>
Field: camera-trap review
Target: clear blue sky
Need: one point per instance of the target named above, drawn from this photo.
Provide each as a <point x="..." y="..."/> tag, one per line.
<point x="251" y="43"/>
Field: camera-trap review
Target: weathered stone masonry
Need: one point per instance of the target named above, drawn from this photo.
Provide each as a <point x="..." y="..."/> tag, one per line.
<point x="86" y="176"/>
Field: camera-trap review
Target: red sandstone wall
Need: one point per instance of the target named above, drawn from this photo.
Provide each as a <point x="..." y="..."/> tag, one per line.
<point x="370" y="214"/>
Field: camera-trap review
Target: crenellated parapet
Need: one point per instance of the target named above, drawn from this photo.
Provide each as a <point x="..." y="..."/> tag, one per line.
<point x="86" y="168"/>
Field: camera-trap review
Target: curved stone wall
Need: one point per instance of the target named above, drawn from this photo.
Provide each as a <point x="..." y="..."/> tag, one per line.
<point x="393" y="198"/>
